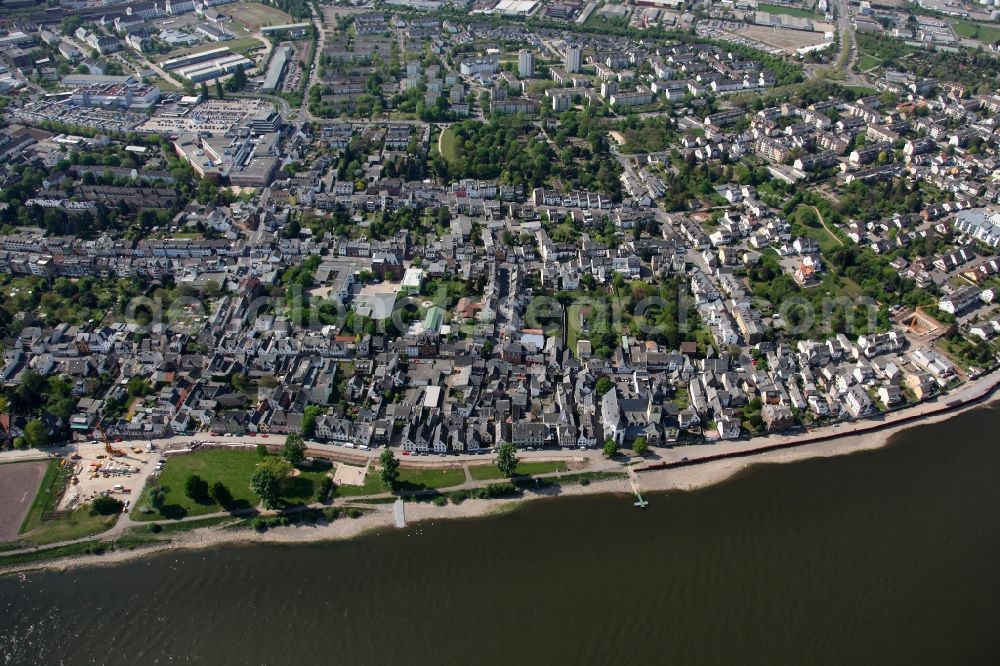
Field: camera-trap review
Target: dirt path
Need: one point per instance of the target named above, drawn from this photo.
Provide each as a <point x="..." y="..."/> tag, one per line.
<point x="835" y="237"/>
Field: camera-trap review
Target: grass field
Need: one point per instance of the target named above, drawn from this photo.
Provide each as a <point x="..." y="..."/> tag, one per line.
<point x="79" y="523"/>
<point x="49" y="491"/>
<point x="862" y="90"/>
<point x="75" y="525"/>
<point x="254" y="15"/>
<point x="242" y="45"/>
<point x="449" y="145"/>
<point x="788" y="11"/>
<point x="164" y="85"/>
<point x="982" y="32"/>
<point x="372" y="486"/>
<point x="233" y="469"/>
<point x="489" y="472"/>
<point x="867" y="61"/>
<point x="412" y="478"/>
<point x="827" y="242"/>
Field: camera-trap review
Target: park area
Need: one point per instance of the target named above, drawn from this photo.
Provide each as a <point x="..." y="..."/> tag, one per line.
<point x="233" y="469"/>
<point x="448" y="145"/>
<point x="253" y="16"/>
<point x="491" y="472"/>
<point x="868" y="61"/>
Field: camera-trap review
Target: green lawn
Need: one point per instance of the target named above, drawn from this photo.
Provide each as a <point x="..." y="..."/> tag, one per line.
<point x="788" y="11"/>
<point x="827" y="241"/>
<point x="254" y="15"/>
<point x="49" y="490"/>
<point x="681" y="398"/>
<point x="373" y="486"/>
<point x="449" y="145"/>
<point x="980" y="31"/>
<point x="172" y="528"/>
<point x="414" y="478"/>
<point x="850" y="287"/>
<point x="241" y="45"/>
<point x="867" y="62"/>
<point x="489" y="472"/>
<point x="232" y="468"/>
<point x="164" y="85"/>
<point x="79" y="523"/>
<point x="302" y="489"/>
<point x="862" y="90"/>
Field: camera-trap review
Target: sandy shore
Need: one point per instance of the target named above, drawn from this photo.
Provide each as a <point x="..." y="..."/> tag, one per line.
<point x="379" y="517"/>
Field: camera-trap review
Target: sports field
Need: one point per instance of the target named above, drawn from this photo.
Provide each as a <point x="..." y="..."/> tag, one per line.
<point x="18" y="487"/>
<point x="254" y="15"/>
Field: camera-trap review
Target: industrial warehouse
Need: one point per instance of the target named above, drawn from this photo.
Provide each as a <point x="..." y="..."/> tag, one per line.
<point x="207" y="65"/>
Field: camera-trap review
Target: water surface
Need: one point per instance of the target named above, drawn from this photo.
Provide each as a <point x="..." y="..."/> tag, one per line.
<point x="883" y="557"/>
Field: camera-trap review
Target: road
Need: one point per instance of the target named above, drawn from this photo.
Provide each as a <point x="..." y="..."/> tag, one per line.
<point x="314" y="67"/>
<point x="162" y="73"/>
<point x="847" y="52"/>
<point x="847" y="40"/>
<point x="125" y="521"/>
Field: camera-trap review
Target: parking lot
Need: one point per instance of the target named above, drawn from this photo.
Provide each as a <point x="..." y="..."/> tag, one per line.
<point x="97" y="472"/>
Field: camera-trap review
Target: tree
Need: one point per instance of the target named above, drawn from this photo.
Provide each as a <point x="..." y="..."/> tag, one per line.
<point x="69" y="24"/>
<point x="325" y="488"/>
<point x="218" y="89"/>
<point x="639" y="446"/>
<point x="36" y="434"/>
<point x="29" y="391"/>
<point x="266" y="485"/>
<point x="309" y="420"/>
<point x="137" y="387"/>
<point x="278" y="465"/>
<point x="295" y="450"/>
<point x="610" y="447"/>
<point x="157" y="497"/>
<point x="603" y="385"/>
<point x="196" y="488"/>
<point x="390" y="468"/>
<point x="261" y="451"/>
<point x="238" y="80"/>
<point x="107" y="506"/>
<point x="221" y="494"/>
<point x="204" y="90"/>
<point x="506" y="460"/>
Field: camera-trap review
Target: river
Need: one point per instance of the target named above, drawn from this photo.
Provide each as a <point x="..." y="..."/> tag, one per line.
<point x="883" y="557"/>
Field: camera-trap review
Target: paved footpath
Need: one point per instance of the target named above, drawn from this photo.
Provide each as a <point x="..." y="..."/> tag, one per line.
<point x="970" y="392"/>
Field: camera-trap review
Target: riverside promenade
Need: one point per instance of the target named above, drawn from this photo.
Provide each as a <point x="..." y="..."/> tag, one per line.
<point x="972" y="393"/>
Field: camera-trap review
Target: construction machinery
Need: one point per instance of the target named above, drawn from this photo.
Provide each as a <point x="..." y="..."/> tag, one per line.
<point x="108" y="448"/>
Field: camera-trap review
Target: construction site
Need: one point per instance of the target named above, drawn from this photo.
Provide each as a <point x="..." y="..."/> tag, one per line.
<point x="102" y="467"/>
<point x="920" y="325"/>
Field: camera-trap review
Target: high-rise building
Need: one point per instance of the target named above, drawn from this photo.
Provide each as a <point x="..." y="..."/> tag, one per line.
<point x="573" y="59"/>
<point x="525" y="64"/>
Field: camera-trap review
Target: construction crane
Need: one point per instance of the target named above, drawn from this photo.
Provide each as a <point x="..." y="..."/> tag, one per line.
<point x="110" y="450"/>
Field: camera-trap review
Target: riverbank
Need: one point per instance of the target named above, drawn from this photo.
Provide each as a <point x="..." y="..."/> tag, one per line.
<point x="379" y="517"/>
